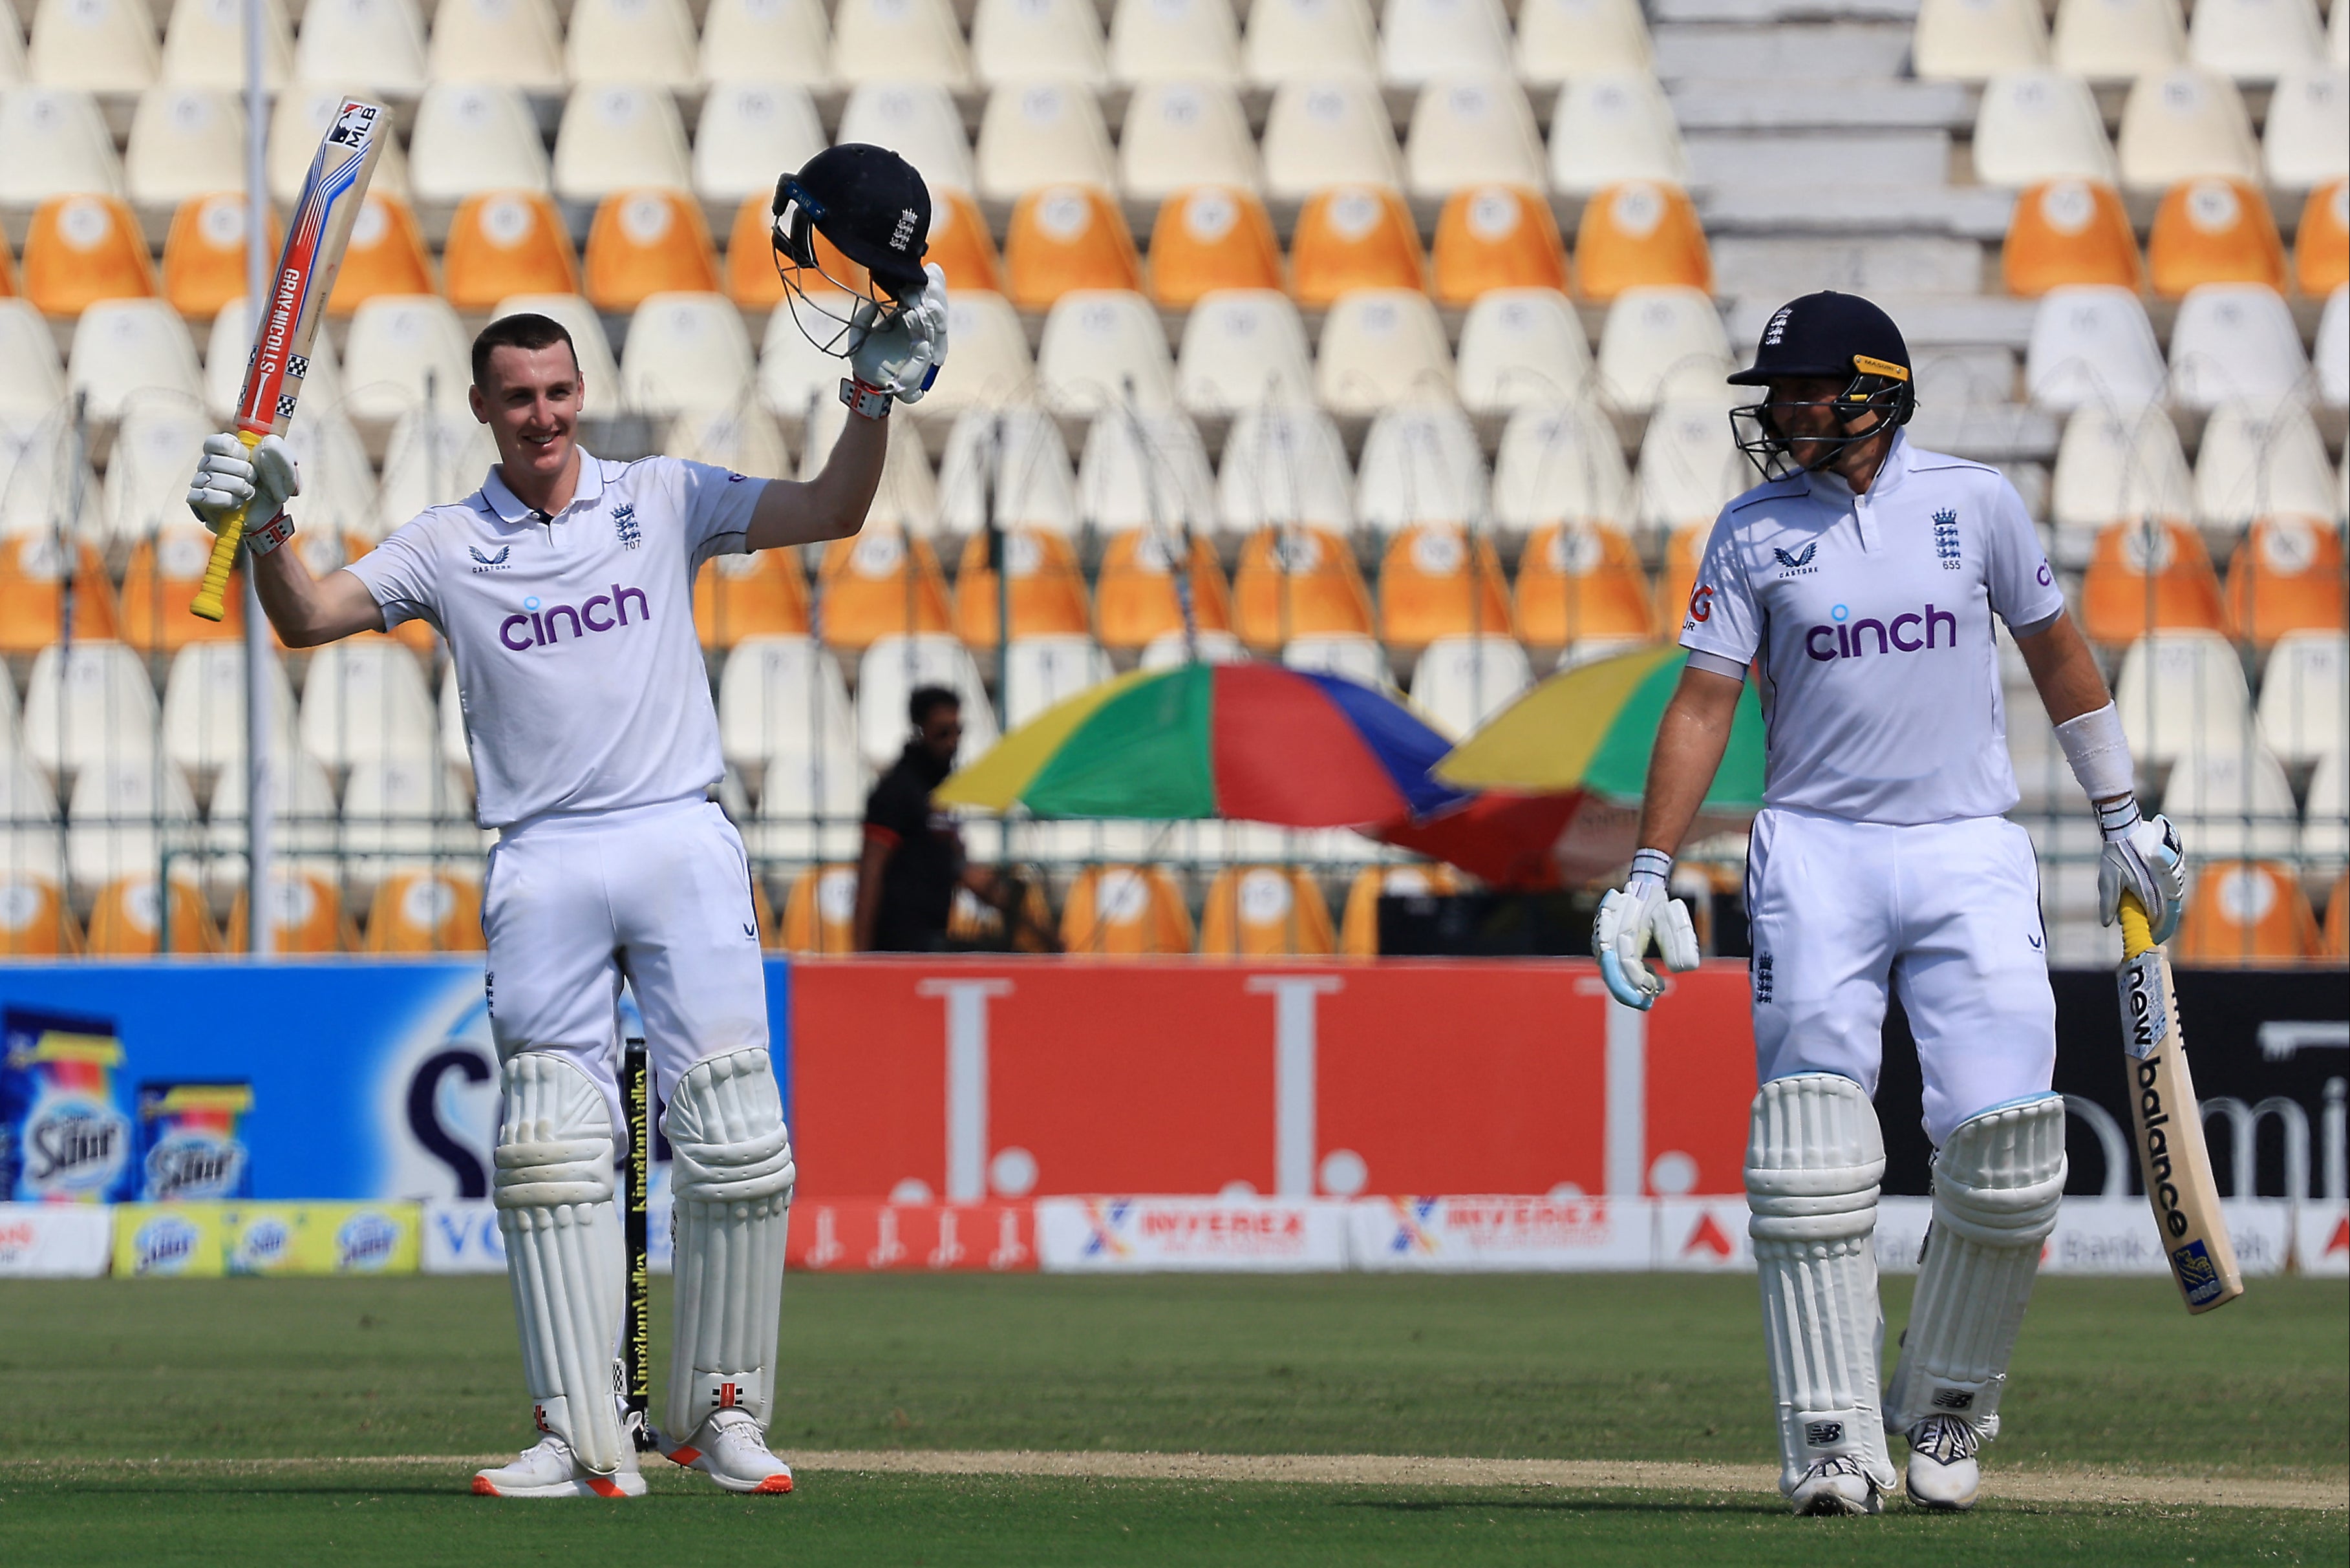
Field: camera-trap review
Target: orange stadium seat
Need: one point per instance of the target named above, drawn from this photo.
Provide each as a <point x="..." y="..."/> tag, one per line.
<point x="385" y="255"/>
<point x="307" y="917"/>
<point x="425" y="912"/>
<point x="160" y="584"/>
<point x="1210" y="238"/>
<point x="2213" y="231"/>
<point x="2337" y="918"/>
<point x="961" y="244"/>
<point x="1640" y="234"/>
<point x="820" y="915"/>
<point x="203" y="255"/>
<point x="35" y="922"/>
<point x="751" y="280"/>
<point x="1135" y="598"/>
<point x="82" y="249"/>
<point x="881" y="584"/>
<point x="2067" y="231"/>
<point x="1579" y="580"/>
<point x="1678" y="579"/>
<point x="1433" y="583"/>
<point x="2246" y="912"/>
<point x="1124" y="911"/>
<point x="31" y="568"/>
<point x="1496" y="236"/>
<point x="762" y="912"/>
<point x="1298" y="582"/>
<point x="2285" y="576"/>
<point x="2136" y="583"/>
<point x="9" y="289"/>
<point x="504" y="243"/>
<point x="1358" y="930"/>
<point x="648" y="241"/>
<point x="973" y="924"/>
<point x="129" y="915"/>
<point x="1048" y="588"/>
<point x="2321" y="246"/>
<point x="759" y="595"/>
<point x="1065" y="238"/>
<point x="1265" y="911"/>
<point x="1352" y="237"/>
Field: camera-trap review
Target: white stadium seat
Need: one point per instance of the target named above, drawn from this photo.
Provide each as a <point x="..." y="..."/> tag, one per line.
<point x="1612" y="127"/>
<point x="811" y="807"/>
<point x="793" y="373"/>
<point x="155" y="449"/>
<point x="516" y="42"/>
<point x="204" y="44"/>
<point x="430" y="457"/>
<point x="1038" y="41"/>
<point x="1974" y="40"/>
<point x="749" y="131"/>
<point x="920" y="121"/>
<point x="32" y="376"/>
<point x="1461" y="682"/>
<point x="2118" y="464"/>
<point x="1472" y="130"/>
<point x="93" y="704"/>
<point x="366" y="701"/>
<point x="2040" y="125"/>
<point x="2182" y="691"/>
<point x="747" y="441"/>
<point x="97" y="46"/>
<point x="1381" y="347"/>
<point x="909" y="497"/>
<point x="303" y="806"/>
<point x="2254" y="40"/>
<point x="2331" y="353"/>
<point x="401" y="350"/>
<point x="1521" y="347"/>
<point x="204" y="713"/>
<point x="1145" y="471"/>
<point x="378" y="45"/>
<point x="1174" y="40"/>
<point x="1242" y="348"/>
<point x="620" y="136"/>
<point x="2118" y="40"/>
<point x="338" y="490"/>
<point x="888" y="674"/>
<point x="1102" y="347"/>
<point x="989" y="365"/>
<point x="2091" y="347"/>
<point x="133" y="354"/>
<point x="1284" y="465"/>
<point x="1042" y="133"/>
<point x="1560" y="463"/>
<point x="1031" y="480"/>
<point x="774" y="41"/>
<point x="899" y="41"/>
<point x="2260" y="459"/>
<point x="1660" y="342"/>
<point x="650" y="43"/>
<point x="226" y="348"/>
<point x="1420" y="464"/>
<point x="2233" y="800"/>
<point x="299" y="121"/>
<point x="1690" y="467"/>
<point x="185" y="141"/>
<point x="1040" y="671"/>
<point x="1171" y="650"/>
<point x="472" y="137"/>
<point x="1357" y="658"/>
<point x="783" y="694"/>
<point x="2232" y="341"/>
<point x="1558" y="39"/>
<point x="1179" y="134"/>
<point x="401" y="814"/>
<point x="2185" y="124"/>
<point x="2305" y="695"/>
<point x="1328" y="129"/>
<point x="2307" y="138"/>
<point x="1422" y="39"/>
<point x="121" y="817"/>
<point x="48" y="471"/>
<point x="686" y="351"/>
<point x="1310" y="38"/>
<point x="53" y="142"/>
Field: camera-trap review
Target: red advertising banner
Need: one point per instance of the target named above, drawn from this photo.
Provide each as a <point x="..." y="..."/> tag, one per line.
<point x="861" y="1235"/>
<point x="966" y="1080"/>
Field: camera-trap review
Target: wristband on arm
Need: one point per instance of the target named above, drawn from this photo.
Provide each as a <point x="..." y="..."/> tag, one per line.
<point x="2100" y="754"/>
<point x="264" y="537"/>
<point x="1654" y="863"/>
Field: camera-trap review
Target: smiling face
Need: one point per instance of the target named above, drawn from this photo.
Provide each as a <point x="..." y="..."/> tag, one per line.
<point x="530" y="398"/>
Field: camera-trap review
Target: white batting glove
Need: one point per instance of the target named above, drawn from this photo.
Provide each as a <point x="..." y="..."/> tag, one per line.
<point x="1630" y="916"/>
<point x="902" y="357"/>
<point x="2143" y="856"/>
<point x="261" y="480"/>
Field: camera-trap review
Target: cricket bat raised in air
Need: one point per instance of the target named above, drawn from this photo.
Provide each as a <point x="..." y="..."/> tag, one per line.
<point x="2169" y="1123"/>
<point x="288" y="321"/>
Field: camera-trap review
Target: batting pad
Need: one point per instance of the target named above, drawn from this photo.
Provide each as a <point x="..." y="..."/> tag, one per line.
<point x="562" y="1230"/>
<point x="731" y="1176"/>
<point x="1997" y="1186"/>
<point x="1813" y="1165"/>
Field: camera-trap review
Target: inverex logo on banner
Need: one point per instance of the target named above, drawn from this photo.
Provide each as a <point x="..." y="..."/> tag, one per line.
<point x="1908" y="632"/>
<point x="1561" y="1232"/>
<point x="1108" y="1235"/>
<point x="541" y="625"/>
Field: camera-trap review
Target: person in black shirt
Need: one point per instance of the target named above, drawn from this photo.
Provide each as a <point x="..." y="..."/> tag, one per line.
<point x="913" y="860"/>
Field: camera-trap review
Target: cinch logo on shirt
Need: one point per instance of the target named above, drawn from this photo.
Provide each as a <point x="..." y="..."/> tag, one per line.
<point x="540" y="627"/>
<point x="1851" y="638"/>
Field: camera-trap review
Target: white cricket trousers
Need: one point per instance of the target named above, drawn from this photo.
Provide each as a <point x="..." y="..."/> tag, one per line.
<point x="659" y="896"/>
<point x="1945" y="913"/>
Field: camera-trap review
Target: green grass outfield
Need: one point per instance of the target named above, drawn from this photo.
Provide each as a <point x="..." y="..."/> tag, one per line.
<point x="153" y="1422"/>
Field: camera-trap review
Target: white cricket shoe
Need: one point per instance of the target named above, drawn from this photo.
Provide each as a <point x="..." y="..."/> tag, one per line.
<point x="730" y="1450"/>
<point x="549" y="1469"/>
<point x="1835" y="1485"/>
<point x="1943" y="1473"/>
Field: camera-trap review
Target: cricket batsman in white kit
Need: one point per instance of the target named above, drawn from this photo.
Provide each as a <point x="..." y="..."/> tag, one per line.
<point x="564" y="586"/>
<point x="1860" y="582"/>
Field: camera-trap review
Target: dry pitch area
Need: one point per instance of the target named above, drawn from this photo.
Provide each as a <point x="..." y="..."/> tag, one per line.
<point x="1157" y="1421"/>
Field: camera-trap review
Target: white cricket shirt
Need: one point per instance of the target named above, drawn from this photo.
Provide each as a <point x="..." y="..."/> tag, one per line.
<point x="578" y="664"/>
<point x="1869" y="619"/>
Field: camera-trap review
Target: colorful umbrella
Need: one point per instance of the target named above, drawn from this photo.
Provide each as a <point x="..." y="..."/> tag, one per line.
<point x="1254" y="743"/>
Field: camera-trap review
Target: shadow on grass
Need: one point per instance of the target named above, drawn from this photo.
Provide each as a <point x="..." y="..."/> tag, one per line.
<point x="1559" y="1505"/>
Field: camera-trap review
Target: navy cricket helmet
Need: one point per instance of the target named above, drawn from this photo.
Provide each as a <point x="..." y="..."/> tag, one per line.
<point x="1830" y="337"/>
<point x="872" y="207"/>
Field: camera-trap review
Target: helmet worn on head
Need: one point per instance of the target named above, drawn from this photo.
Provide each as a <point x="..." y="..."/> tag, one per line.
<point x="1832" y="337"/>
<point x="872" y="207"/>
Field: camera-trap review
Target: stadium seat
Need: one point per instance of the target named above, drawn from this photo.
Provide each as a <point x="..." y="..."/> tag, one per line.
<point x="1062" y="238"/>
<point x="881" y="584"/>
<point x="780" y="694"/>
<point x="1124" y="911"/>
<point x="1578" y="581"/>
<point x="1689" y="467"/>
<point x="1522" y="346"/>
<point x="2246" y="913"/>
<point x="1560" y="463"/>
<point x="185" y="141"/>
<point x="2254" y="40"/>
<point x="960" y="243"/>
<point x="125" y="812"/>
<point x="159" y="583"/>
<point x="306" y="916"/>
<point x="2091" y="347"/>
<point x="1041" y="672"/>
<point x="374" y="45"/>
<point x="53" y="142"/>
<point x="759" y="595"/>
<point x="425" y="911"/>
<point x="793" y="373"/>
<point x="469" y="137"/>
<point x="888" y="673"/>
<point x="35" y="919"/>
<point x="899" y="41"/>
<point x="1265" y="911"/>
<point x="1179" y="134"/>
<point x="205" y="254"/>
<point x="204" y="713"/>
<point x="2321" y="245"/>
<point x="1292" y="39"/>
<point x="745" y="440"/>
<point x="1420" y="463"/>
<point x="1360" y="660"/>
<point x="2229" y="801"/>
<point x="1637" y="234"/>
<point x="87" y="705"/>
<point x="50" y="487"/>
<point x="2333" y="365"/>
<point x="2337" y="904"/>
<point x="2183" y="124"/>
<point x="2069" y="232"/>
<point x="82" y="250"/>
<point x="1103" y="349"/>
<point x="385" y="256"/>
<point x="1327" y="129"/>
<point x="1284" y="465"/>
<point x="1424" y="40"/>
<point x="506" y="243"/>
<point x="2118" y="464"/>
<point x="1558" y="39"/>
<point x="820" y="916"/>
<point x="514" y="43"/>
<point x="1194" y="41"/>
<point x="1611" y="128"/>
<point x="1461" y="682"/>
<point x="155" y="451"/>
<point x="1021" y="41"/>
<point x="1047" y="588"/>
<point x="203" y="46"/>
<point x="1042" y="133"/>
<point x="617" y="137"/>
<point x="1297" y="582"/>
<point x="231" y="340"/>
<point x="1352" y="237"/>
<point x="2149" y="575"/>
<point x="1438" y="580"/>
<point x="401" y="815"/>
<point x="2325" y="824"/>
<point x="1358" y="930"/>
<point x="1013" y="458"/>
<point x="2286" y="579"/>
<point x="919" y="121"/>
<point x="748" y="130"/>
<point x="1492" y="237"/>
<point x="1244" y="348"/>
<point x="1471" y="131"/>
<point x="95" y="46"/>
<point x="2213" y="231"/>
<point x="684" y="351"/>
<point x="1381" y="347"/>
<point x="1146" y="471"/>
<point x="2234" y="341"/>
<point x="1136" y="599"/>
<point x="2039" y="125"/>
<point x="766" y="41"/>
<point x="1660" y="342"/>
<point x="2261" y="459"/>
<point x="137" y="917"/>
<point x="130" y="353"/>
<point x="990" y="366"/>
<point x="2305" y="709"/>
<point x="649" y="42"/>
<point x="2118" y="40"/>
<point x="403" y="352"/>
<point x="32" y="376"/>
<point x="2307" y="141"/>
<point x="299" y="122"/>
<point x="1975" y="40"/>
<point x="364" y="701"/>
<point x="811" y="806"/>
<point x="2179" y="692"/>
<point x="432" y="457"/>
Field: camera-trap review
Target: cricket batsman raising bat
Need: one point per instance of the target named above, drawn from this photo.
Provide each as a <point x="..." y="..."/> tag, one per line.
<point x="1861" y="581"/>
<point x="565" y="589"/>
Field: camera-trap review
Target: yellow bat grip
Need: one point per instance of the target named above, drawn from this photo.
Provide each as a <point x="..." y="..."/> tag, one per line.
<point x="2138" y="936"/>
<point x="211" y="602"/>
